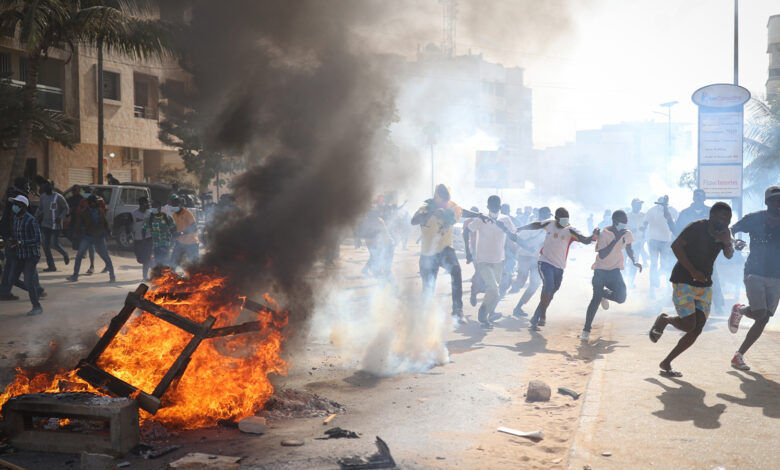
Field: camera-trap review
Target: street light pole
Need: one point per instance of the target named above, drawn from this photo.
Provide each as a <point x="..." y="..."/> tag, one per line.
<point x="431" y="130"/>
<point x="668" y="107"/>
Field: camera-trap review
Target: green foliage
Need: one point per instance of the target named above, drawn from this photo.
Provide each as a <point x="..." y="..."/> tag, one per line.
<point x="690" y="179"/>
<point x="762" y="145"/>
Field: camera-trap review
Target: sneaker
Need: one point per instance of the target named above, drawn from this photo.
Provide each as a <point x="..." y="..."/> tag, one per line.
<point x="518" y="311"/>
<point x="481" y="314"/>
<point x="35" y="311"/>
<point x="738" y="362"/>
<point x="473" y="298"/>
<point x="8" y="296"/>
<point x="50" y="269"/>
<point x="605" y="304"/>
<point x="91" y="270"/>
<point x="105" y="270"/>
<point x="585" y="336"/>
<point x="533" y="327"/>
<point x="112" y="279"/>
<point x="486" y="325"/>
<point x="734" y="318"/>
<point x="495" y="316"/>
<point x="66" y="259"/>
<point x="42" y="293"/>
<point x="71" y="278"/>
<point x="542" y="321"/>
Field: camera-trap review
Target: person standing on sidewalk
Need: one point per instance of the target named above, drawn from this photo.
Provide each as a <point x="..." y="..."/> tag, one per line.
<point x="52" y="210"/>
<point x="489" y="256"/>
<point x="559" y="235"/>
<point x="142" y="242"/>
<point x="160" y="227"/>
<point x="436" y="219"/>
<point x="762" y="272"/>
<point x="93" y="220"/>
<point x="696" y="249"/>
<point x="26" y="243"/>
<point x="528" y="262"/>
<point x="607" y="277"/>
<point x="186" y="236"/>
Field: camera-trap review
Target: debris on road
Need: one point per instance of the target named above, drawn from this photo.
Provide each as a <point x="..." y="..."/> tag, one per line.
<point x="288" y="403"/>
<point x="535" y="435"/>
<point x="123" y="464"/>
<point x="538" y="391"/>
<point x="382" y="459"/>
<point x="292" y="443"/>
<point x="96" y="461"/>
<point x="252" y="425"/>
<point x="327" y="420"/>
<point x="606" y="453"/>
<point x="198" y="461"/>
<point x="568" y="391"/>
<point x="148" y="452"/>
<point x="338" y="433"/>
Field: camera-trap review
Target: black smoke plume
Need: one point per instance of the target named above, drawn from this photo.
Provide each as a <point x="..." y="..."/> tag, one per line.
<point x="288" y="86"/>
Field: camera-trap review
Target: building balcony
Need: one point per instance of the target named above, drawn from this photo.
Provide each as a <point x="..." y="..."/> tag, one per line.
<point x="145" y="112"/>
<point x="49" y="97"/>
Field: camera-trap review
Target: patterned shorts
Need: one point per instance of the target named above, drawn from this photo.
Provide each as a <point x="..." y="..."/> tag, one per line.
<point x="687" y="299"/>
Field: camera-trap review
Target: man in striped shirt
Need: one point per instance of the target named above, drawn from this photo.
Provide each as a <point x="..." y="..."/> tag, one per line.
<point x="26" y="244"/>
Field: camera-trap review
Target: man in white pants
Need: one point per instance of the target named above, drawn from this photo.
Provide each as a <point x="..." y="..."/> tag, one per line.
<point x="491" y="237"/>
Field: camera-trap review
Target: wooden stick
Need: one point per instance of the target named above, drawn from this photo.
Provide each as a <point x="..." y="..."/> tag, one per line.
<point x="328" y="419"/>
<point x="235" y="329"/>
<point x="164" y="314"/>
<point x="177" y="369"/>
<point x="116" y="324"/>
<point x="105" y="381"/>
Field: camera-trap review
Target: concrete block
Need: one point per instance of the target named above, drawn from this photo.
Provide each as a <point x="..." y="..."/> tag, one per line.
<point x="252" y="424"/>
<point x="97" y="462"/>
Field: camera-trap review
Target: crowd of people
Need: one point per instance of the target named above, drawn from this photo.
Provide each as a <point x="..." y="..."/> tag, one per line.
<point x="163" y="236"/>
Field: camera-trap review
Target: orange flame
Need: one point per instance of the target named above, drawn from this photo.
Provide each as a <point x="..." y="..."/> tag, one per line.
<point x="227" y="378"/>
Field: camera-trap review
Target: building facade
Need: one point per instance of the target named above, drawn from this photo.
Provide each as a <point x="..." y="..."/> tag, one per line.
<point x="773" y="49"/>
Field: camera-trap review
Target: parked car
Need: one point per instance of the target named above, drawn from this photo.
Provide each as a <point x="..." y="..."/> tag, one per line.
<point x="121" y="201"/>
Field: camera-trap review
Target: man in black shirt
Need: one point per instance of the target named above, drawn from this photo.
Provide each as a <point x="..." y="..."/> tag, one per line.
<point x="762" y="272"/>
<point x="696" y="249"/>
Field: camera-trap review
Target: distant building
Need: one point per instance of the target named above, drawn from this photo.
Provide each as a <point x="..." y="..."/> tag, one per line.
<point x="463" y="94"/>
<point x="131" y="93"/>
<point x="773" y="49"/>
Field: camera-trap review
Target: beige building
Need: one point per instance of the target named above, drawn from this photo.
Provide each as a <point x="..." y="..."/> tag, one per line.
<point x="131" y="89"/>
<point x="773" y="49"/>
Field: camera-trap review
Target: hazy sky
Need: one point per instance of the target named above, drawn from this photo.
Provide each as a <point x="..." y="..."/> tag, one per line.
<point x="595" y="62"/>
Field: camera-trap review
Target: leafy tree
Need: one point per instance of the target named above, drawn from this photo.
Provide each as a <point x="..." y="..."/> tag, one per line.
<point x="762" y="145"/>
<point x="690" y="179"/>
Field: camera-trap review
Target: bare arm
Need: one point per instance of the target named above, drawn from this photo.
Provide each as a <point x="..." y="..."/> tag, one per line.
<point x="533" y="226"/>
<point x="466" y="233"/>
<point x="421" y="216"/>
<point x="582" y="238"/>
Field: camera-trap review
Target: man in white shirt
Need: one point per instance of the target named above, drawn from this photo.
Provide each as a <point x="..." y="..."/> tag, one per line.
<point x="607" y="280"/>
<point x="530" y="244"/>
<point x="552" y="261"/>
<point x="638" y="227"/>
<point x="477" y="285"/>
<point x="491" y="237"/>
<point x="660" y="233"/>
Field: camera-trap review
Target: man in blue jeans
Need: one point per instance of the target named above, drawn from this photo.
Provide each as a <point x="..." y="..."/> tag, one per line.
<point x="559" y="235"/>
<point x="52" y="209"/>
<point x="25" y="242"/>
<point x="93" y="220"/>
<point x="607" y="277"/>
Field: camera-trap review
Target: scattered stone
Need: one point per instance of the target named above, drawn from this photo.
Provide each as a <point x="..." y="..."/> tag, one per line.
<point x="587" y="467"/>
<point x="252" y="425"/>
<point x="96" y="462"/>
<point x="533" y="435"/>
<point x="292" y="443"/>
<point x="200" y="461"/>
<point x="557" y="461"/>
<point x="606" y="453"/>
<point x="538" y="391"/>
<point x="441" y="458"/>
<point x="123" y="464"/>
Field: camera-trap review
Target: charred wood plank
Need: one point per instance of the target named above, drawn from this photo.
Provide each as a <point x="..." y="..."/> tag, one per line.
<point x="116" y="323"/>
<point x="164" y="314"/>
<point x="177" y="369"/>
<point x="236" y="329"/>
<point x="107" y="382"/>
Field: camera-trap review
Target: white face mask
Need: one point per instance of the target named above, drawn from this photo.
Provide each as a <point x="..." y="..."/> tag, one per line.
<point x="564" y="221"/>
<point x="620" y="226"/>
<point x="493" y="215"/>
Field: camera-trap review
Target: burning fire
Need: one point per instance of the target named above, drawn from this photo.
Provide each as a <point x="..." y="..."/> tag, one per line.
<point x="227" y="378"/>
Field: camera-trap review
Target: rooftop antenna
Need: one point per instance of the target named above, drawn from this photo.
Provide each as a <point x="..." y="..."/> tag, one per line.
<point x="449" y="15"/>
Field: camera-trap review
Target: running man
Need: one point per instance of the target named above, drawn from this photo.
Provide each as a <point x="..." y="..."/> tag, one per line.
<point x="607" y="279"/>
<point x="638" y="226"/>
<point x="559" y="236"/>
<point x="696" y="249"/>
<point x="762" y="272"/>
<point x="528" y="261"/>
<point x="477" y="285"/>
<point x="490" y="255"/>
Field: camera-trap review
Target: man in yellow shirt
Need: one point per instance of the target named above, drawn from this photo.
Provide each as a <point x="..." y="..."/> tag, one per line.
<point x="186" y="234"/>
<point x="436" y="219"/>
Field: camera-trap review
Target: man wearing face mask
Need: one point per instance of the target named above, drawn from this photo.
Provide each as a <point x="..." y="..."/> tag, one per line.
<point x="19" y="188"/>
<point x="696" y="249"/>
<point x="762" y="272"/>
<point x="142" y="242"/>
<point x="607" y="279"/>
<point x="96" y="230"/>
<point x="530" y="244"/>
<point x="25" y="242"/>
<point x="559" y="235"/>
<point x="160" y="227"/>
<point x="490" y="254"/>
<point x="186" y="236"/>
<point x="83" y="205"/>
<point x="51" y="211"/>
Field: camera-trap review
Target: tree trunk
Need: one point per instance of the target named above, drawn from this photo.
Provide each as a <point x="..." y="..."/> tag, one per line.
<point x="100" y="110"/>
<point x="29" y="94"/>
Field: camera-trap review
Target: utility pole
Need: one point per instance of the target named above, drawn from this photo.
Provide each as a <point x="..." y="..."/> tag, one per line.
<point x="668" y="107"/>
<point x="449" y="16"/>
<point x="100" y="110"/>
<point x="431" y="130"/>
<point x="736" y="82"/>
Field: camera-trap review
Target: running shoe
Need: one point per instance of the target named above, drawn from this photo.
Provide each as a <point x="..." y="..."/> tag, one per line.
<point x="734" y="318"/>
<point x="473" y="298"/>
<point x="518" y="311"/>
<point x="35" y="311"/>
<point x="91" y="270"/>
<point x="605" y="304"/>
<point x="585" y="336"/>
<point x="738" y="362"/>
<point x="542" y="321"/>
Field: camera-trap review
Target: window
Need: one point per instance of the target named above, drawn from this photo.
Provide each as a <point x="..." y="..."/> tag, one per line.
<point x="111" y="86"/>
<point x="774" y="73"/>
<point x="130" y="196"/>
<point x="5" y="63"/>
<point x="145" y="96"/>
<point x="499" y="89"/>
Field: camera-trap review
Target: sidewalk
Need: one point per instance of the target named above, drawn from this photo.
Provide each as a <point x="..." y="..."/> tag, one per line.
<point x="712" y="417"/>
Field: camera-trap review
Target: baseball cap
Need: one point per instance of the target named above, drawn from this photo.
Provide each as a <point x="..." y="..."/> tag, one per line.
<point x="637" y="200"/>
<point x="20" y="198"/>
<point x="772" y="191"/>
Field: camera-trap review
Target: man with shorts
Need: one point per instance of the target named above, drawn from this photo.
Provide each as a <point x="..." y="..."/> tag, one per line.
<point x="696" y="249"/>
<point x="607" y="277"/>
<point x="559" y="235"/>
<point x="762" y="272"/>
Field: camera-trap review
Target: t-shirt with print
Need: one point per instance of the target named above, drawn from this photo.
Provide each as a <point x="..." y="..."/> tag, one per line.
<point x="437" y="231"/>
<point x="556" y="243"/>
<point x="702" y="249"/>
<point x="491" y="239"/>
<point x="615" y="258"/>
<point x="764" y="257"/>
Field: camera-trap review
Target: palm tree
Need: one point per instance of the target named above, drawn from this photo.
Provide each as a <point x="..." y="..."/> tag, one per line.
<point x="114" y="25"/>
<point x="762" y="145"/>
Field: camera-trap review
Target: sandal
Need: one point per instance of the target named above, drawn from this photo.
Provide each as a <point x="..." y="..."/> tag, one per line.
<point x="670" y="373"/>
<point x="655" y="331"/>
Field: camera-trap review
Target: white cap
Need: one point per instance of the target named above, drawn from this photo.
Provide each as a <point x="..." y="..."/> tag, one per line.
<point x="20" y="198"/>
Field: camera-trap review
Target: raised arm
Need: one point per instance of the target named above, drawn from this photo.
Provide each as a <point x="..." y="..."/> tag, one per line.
<point x="582" y="238"/>
<point x="533" y="226"/>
